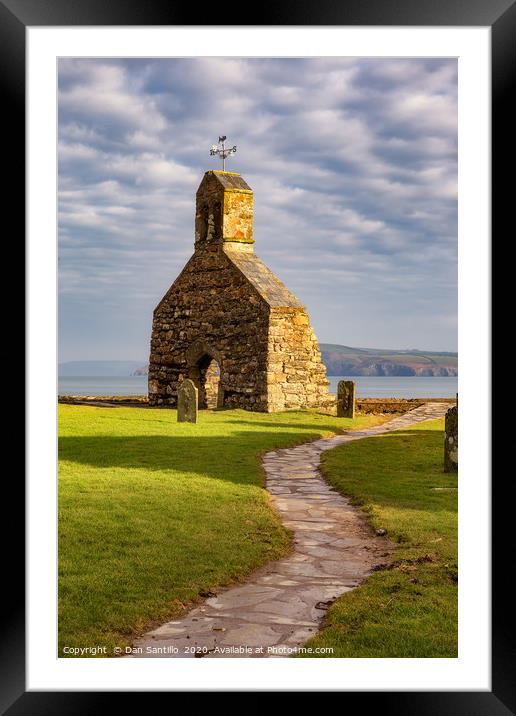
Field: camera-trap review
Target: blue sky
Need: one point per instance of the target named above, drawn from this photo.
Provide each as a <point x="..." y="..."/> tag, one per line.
<point x="353" y="163"/>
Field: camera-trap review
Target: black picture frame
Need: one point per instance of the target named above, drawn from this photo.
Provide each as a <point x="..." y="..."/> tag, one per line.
<point x="15" y="17"/>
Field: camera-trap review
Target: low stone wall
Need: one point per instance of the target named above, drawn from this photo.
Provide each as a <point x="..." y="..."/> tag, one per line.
<point x="387" y="405"/>
<point x="139" y="400"/>
<point x="395" y="405"/>
<point x="364" y="406"/>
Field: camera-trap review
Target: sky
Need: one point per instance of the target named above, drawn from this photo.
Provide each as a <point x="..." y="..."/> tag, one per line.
<point x="353" y="163"/>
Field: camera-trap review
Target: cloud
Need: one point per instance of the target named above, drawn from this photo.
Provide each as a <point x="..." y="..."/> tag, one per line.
<point x="354" y="167"/>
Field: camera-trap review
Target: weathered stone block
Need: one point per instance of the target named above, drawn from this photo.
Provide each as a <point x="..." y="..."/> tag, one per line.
<point x="187" y="400"/>
<point x="451" y="440"/>
<point x="346" y="390"/>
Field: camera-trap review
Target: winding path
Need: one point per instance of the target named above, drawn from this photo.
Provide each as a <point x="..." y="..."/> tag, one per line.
<point x="283" y="603"/>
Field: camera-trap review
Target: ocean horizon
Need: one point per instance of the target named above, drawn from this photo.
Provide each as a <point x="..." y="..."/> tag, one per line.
<point x="367" y="386"/>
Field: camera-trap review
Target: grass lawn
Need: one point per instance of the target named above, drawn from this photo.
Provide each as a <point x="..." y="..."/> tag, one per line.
<point x="153" y="512"/>
<point x="408" y="609"/>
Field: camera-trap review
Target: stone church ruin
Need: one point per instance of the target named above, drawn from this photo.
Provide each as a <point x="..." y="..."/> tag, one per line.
<point x="228" y="323"/>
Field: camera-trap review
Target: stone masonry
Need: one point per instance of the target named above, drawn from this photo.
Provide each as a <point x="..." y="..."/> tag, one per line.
<point x="187" y="402"/>
<point x="346" y="390"/>
<point x="451" y="440"/>
<point x="228" y="323"/>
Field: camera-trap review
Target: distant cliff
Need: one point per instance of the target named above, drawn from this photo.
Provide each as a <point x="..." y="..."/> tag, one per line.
<point x="344" y="360"/>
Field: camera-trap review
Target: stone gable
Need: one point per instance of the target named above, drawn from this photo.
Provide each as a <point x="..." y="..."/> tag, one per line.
<point x="228" y="323"/>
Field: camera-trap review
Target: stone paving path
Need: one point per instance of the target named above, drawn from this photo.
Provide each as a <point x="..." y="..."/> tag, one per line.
<point x="283" y="603"/>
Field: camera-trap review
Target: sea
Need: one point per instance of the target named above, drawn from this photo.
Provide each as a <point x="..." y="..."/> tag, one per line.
<point x="367" y="386"/>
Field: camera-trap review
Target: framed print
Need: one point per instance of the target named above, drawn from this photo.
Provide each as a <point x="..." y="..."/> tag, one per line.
<point x="374" y="103"/>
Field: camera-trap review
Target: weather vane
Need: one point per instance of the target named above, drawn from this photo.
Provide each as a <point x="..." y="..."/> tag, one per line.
<point x="221" y="150"/>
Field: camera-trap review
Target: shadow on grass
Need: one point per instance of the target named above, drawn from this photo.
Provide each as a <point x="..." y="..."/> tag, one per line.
<point x="232" y="458"/>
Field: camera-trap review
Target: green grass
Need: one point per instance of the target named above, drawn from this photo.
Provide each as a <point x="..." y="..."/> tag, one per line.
<point x="409" y="608"/>
<point x="152" y="512"/>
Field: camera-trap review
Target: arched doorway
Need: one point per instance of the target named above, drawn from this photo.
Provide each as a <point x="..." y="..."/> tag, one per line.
<point x="206" y="376"/>
<point x="205" y="365"/>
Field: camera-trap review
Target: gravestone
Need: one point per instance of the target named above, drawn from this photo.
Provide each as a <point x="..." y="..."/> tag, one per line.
<point x="187" y="400"/>
<point x="451" y="440"/>
<point x="346" y="399"/>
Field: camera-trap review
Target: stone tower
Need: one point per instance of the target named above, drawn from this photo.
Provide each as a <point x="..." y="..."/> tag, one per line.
<point x="228" y="323"/>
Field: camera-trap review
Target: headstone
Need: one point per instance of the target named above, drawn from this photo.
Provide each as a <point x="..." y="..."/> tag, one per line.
<point x="346" y="399"/>
<point x="187" y="400"/>
<point x="451" y="440"/>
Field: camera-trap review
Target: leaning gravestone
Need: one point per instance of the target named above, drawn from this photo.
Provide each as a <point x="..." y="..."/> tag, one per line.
<point x="346" y="399"/>
<point x="187" y="400"/>
<point x="451" y="440"/>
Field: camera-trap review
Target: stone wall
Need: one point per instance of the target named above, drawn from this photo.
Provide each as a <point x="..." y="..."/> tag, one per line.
<point x="375" y="406"/>
<point x="296" y="376"/>
<point x="211" y="311"/>
<point x="224" y="209"/>
<point x="383" y="406"/>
